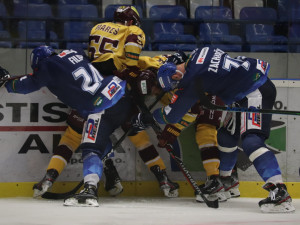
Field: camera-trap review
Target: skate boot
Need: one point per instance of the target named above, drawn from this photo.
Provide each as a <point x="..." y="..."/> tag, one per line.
<point x="279" y="200"/>
<point x="213" y="189"/>
<point x="45" y="184"/>
<point x="169" y="188"/>
<point x="86" y="198"/>
<point x="231" y="185"/>
<point x="113" y="182"/>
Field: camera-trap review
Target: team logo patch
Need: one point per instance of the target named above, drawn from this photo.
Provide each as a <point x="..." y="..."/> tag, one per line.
<point x="202" y="56"/>
<point x="111" y="89"/>
<point x="98" y="101"/>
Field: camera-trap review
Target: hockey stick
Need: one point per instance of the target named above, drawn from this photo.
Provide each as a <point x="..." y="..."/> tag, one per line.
<point x="252" y="110"/>
<point x="155" y="126"/>
<point x="52" y="195"/>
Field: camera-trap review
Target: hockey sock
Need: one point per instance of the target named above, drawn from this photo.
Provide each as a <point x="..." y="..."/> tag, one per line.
<point x="61" y="156"/>
<point x="263" y="159"/>
<point x="92" y="164"/>
<point x="151" y="157"/>
<point x="210" y="160"/>
<point x="228" y="157"/>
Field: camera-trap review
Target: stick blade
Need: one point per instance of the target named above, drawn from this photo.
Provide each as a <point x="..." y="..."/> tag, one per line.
<point x="51" y="195"/>
<point x="212" y="204"/>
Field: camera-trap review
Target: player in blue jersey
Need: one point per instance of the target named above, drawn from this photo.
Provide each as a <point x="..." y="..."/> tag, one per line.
<point x="242" y="81"/>
<point x="74" y="80"/>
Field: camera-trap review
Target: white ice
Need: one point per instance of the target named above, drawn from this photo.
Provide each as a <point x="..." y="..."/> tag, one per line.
<point x="140" y="211"/>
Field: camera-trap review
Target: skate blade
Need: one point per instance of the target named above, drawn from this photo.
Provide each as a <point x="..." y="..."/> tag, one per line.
<point x="116" y="190"/>
<point x="74" y="202"/>
<point x="234" y="192"/>
<point x="285" y="207"/>
<point x="170" y="194"/>
<point x="220" y="197"/>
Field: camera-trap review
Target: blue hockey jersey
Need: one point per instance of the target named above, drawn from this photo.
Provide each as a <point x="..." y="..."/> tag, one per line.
<point x="73" y="80"/>
<point x="231" y="79"/>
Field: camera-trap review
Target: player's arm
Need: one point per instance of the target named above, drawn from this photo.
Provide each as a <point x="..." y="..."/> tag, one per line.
<point x="182" y="101"/>
<point x="23" y="85"/>
<point x="134" y="44"/>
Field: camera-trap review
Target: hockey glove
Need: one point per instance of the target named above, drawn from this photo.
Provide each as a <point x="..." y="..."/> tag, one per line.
<point x="168" y="136"/>
<point x="4" y="75"/>
<point x="177" y="58"/>
<point x="144" y="82"/>
<point x="141" y="121"/>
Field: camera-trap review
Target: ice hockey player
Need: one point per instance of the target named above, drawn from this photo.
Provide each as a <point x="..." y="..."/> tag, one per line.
<point x="62" y="154"/>
<point x="71" y="77"/>
<point x="239" y="80"/>
<point x="206" y="122"/>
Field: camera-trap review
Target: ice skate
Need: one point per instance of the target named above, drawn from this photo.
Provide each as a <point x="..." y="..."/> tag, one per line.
<point x="45" y="184"/>
<point x="279" y="200"/>
<point x="168" y="187"/>
<point x="231" y="186"/>
<point x="212" y="189"/>
<point x="113" y="182"/>
<point x="86" y="198"/>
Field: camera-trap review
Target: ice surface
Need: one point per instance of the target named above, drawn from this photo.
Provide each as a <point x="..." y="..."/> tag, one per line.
<point x="140" y="211"/>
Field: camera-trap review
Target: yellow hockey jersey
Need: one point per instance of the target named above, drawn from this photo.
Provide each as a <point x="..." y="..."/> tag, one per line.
<point x="121" y="43"/>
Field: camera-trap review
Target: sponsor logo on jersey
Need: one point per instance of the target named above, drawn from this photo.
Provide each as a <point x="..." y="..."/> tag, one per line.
<point x="262" y="66"/>
<point x="92" y="128"/>
<point x="202" y="56"/>
<point x="255" y="119"/>
<point x="111" y="89"/>
<point x="174" y="98"/>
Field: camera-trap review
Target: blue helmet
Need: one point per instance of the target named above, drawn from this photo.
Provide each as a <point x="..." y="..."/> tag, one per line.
<point x="164" y="76"/>
<point x="40" y="53"/>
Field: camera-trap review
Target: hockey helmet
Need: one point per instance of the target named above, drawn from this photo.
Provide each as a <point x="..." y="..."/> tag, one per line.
<point x="124" y="14"/>
<point x="164" y="76"/>
<point x="40" y="53"/>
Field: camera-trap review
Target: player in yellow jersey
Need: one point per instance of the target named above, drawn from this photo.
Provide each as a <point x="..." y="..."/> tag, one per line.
<point x="117" y="45"/>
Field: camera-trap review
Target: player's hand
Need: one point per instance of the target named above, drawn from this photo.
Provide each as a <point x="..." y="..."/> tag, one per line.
<point x="168" y="136"/>
<point x="177" y="58"/>
<point x="4" y="75"/>
<point x="141" y="121"/>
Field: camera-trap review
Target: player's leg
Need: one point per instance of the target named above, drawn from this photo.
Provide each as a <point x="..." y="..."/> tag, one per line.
<point x="257" y="130"/>
<point x="96" y="138"/>
<point x="227" y="145"/>
<point x="113" y="183"/>
<point x="154" y="162"/>
<point x="206" y="137"/>
<point x="62" y="153"/>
